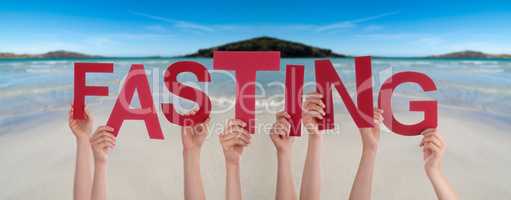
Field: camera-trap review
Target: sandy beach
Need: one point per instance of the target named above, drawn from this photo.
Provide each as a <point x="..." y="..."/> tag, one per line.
<point x="40" y="162"/>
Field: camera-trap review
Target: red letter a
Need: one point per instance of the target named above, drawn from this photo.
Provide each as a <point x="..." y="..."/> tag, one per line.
<point x="136" y="80"/>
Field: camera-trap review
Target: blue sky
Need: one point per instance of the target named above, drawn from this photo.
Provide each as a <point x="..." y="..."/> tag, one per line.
<point x="131" y="28"/>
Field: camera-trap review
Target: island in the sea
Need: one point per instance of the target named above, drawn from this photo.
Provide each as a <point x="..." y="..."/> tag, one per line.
<point x="51" y="54"/>
<point x="288" y="49"/>
<point x="471" y="54"/>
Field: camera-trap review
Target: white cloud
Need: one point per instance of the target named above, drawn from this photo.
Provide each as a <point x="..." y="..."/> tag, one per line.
<point x="176" y="23"/>
<point x="353" y="23"/>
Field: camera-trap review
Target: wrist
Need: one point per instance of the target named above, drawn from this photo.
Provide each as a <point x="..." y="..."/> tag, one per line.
<point x="433" y="172"/>
<point x="369" y="149"/>
<point x="283" y="153"/>
<point x="100" y="163"/>
<point x="191" y="151"/>
<point x="82" y="137"/>
<point x="232" y="163"/>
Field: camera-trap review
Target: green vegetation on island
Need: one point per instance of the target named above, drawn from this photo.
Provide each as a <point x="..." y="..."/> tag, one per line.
<point x="51" y="54"/>
<point x="287" y="49"/>
<point x="471" y="54"/>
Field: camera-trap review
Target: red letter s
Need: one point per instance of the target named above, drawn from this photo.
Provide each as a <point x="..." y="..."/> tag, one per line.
<point x="187" y="92"/>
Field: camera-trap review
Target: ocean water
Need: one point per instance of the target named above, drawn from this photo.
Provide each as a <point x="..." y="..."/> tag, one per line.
<point x="35" y="89"/>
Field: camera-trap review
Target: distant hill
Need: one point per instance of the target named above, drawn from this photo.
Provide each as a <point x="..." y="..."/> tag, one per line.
<point x="471" y="54"/>
<point x="51" y="54"/>
<point x="287" y="48"/>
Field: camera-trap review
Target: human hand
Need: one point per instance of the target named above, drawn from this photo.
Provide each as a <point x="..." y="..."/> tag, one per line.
<point x="371" y="136"/>
<point x="314" y="110"/>
<point x="81" y="128"/>
<point x="102" y="142"/>
<point x="193" y="137"/>
<point x="433" y="148"/>
<point x="234" y="139"/>
<point x="279" y="133"/>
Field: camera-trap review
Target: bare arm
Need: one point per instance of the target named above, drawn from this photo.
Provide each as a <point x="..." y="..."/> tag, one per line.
<point x="83" y="170"/>
<point x="234" y="139"/>
<point x="233" y="184"/>
<point x="285" y="183"/>
<point x="311" y="179"/>
<point x="362" y="186"/>
<point x="194" y="189"/>
<point x="192" y="138"/>
<point x="443" y="190"/>
<point x="82" y="129"/>
<point x="433" y="148"/>
<point x="102" y="144"/>
<point x="99" y="190"/>
<point x="283" y="143"/>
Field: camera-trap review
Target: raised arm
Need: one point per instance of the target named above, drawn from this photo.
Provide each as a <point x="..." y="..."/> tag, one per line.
<point x="283" y="143"/>
<point x="362" y="186"/>
<point x="234" y="139"/>
<point x="192" y="138"/>
<point x="102" y="144"/>
<point x="82" y="129"/>
<point x="433" y="148"/>
<point x="311" y="179"/>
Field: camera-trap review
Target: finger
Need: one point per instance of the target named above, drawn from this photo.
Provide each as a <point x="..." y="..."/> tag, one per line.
<point x="238" y="130"/>
<point x="315" y="107"/>
<point x="231" y="142"/>
<point x="435" y="141"/>
<point x="87" y="113"/>
<point x="314" y="114"/>
<point x="232" y="132"/>
<point x="109" y="137"/>
<point x="314" y="95"/>
<point x="431" y="147"/>
<point x="285" y="125"/>
<point x="236" y="122"/>
<point x="433" y="135"/>
<point x="283" y="114"/>
<point x="245" y="137"/>
<point x="101" y="129"/>
<point x="102" y="146"/>
<point x="70" y="113"/>
<point x="428" y="131"/>
<point x="240" y="141"/>
<point x="107" y="143"/>
<point x="227" y="136"/>
<point x="432" y="141"/>
<point x="315" y="101"/>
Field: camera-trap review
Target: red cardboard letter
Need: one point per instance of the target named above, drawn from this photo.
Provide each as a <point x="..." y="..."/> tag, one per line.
<point x="326" y="76"/>
<point x="428" y="107"/>
<point x="294" y="84"/>
<point x="81" y="89"/>
<point x="187" y="92"/>
<point x="246" y="64"/>
<point x="136" y="80"/>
